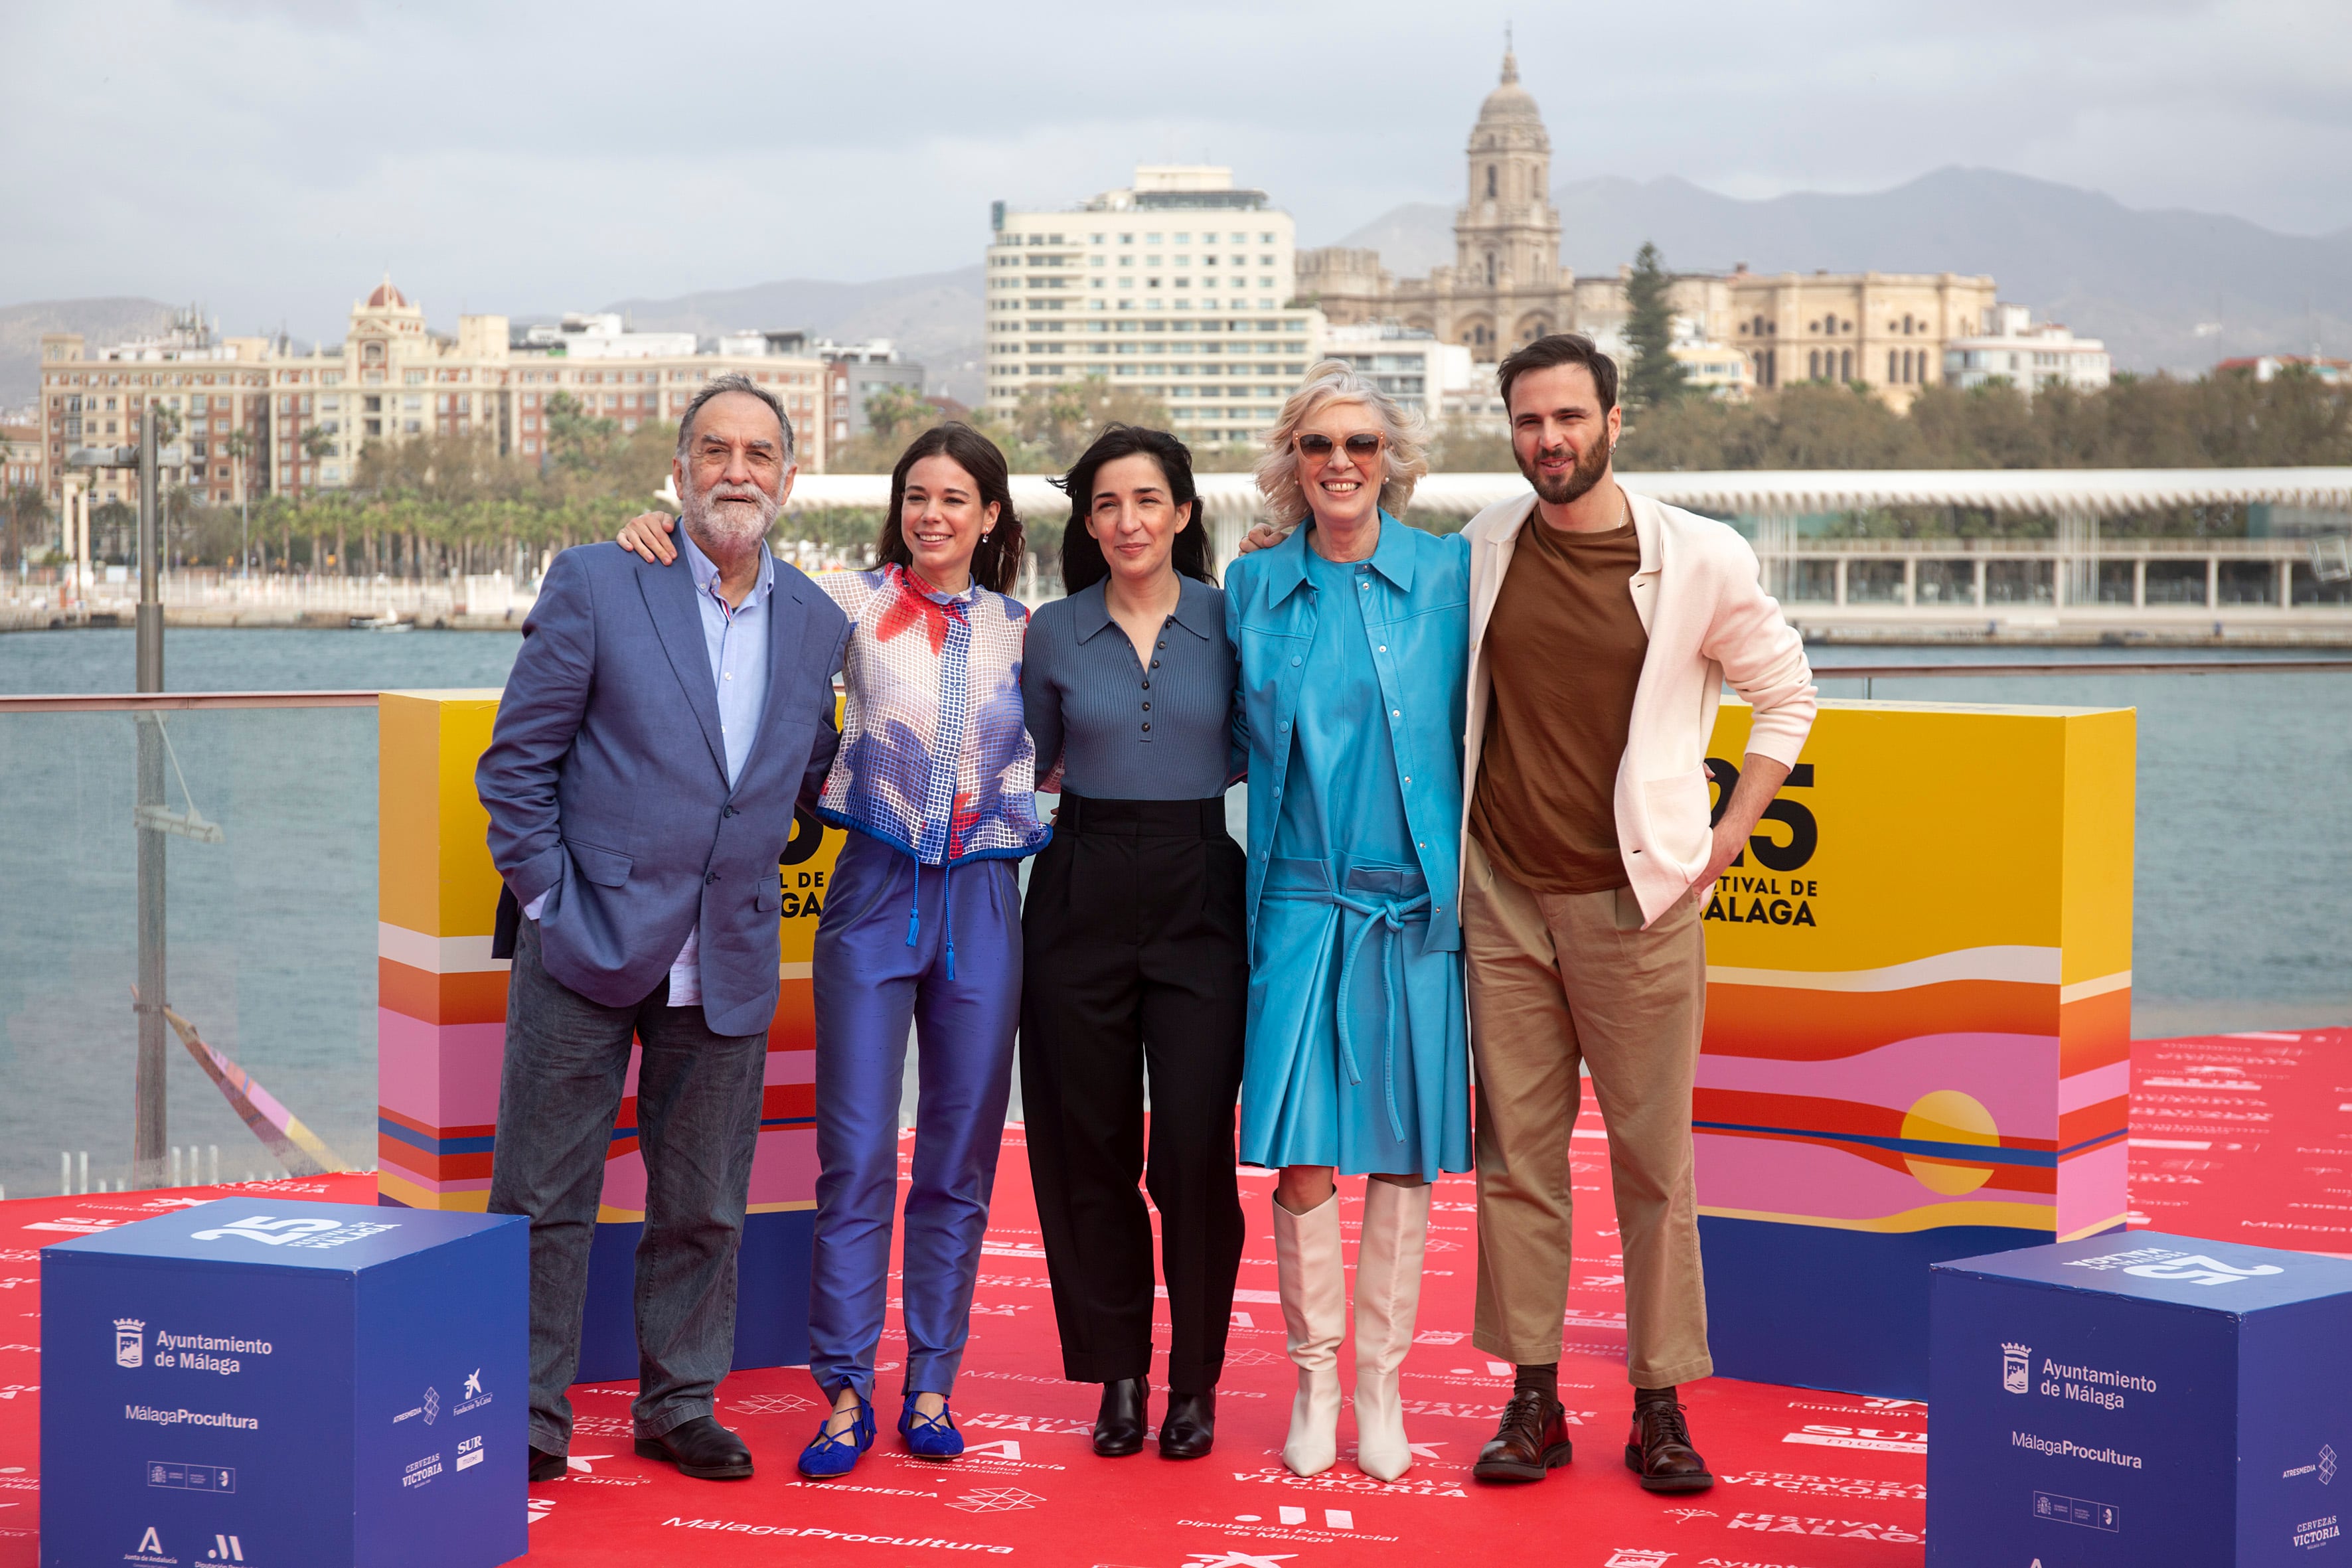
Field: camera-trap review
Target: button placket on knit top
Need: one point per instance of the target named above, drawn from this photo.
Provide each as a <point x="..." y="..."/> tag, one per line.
<point x="1112" y="726"/>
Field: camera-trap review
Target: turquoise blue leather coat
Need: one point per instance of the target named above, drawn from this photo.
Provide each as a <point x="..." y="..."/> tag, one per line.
<point x="1419" y="623"/>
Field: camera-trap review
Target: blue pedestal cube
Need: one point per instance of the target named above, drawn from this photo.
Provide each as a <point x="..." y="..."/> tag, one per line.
<point x="287" y="1384"/>
<point x="2140" y="1401"/>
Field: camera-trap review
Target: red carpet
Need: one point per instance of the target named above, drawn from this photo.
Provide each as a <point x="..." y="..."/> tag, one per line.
<point x="2242" y="1138"/>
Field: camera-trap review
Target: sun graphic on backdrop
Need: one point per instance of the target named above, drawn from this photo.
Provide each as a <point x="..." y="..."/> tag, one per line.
<point x="1947" y="1115"/>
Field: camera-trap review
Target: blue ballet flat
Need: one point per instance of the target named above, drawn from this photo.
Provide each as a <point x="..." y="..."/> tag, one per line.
<point x="829" y="1455"/>
<point x="929" y="1437"/>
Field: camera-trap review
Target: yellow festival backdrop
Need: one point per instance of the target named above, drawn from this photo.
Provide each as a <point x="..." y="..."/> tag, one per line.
<point x="1919" y="1025"/>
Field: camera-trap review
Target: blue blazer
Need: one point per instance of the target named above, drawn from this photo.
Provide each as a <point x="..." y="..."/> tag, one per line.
<point x="606" y="780"/>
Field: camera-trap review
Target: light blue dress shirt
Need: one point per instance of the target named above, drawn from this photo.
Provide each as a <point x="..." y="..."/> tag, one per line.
<point x="736" y="637"/>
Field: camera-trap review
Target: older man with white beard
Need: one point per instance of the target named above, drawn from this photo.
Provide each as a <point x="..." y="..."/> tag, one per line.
<point x="660" y="728"/>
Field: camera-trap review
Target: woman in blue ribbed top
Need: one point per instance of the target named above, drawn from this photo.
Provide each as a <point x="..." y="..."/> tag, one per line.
<point x="1136" y="952"/>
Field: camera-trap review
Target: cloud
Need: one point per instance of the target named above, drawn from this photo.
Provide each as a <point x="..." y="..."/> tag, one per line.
<point x="272" y="159"/>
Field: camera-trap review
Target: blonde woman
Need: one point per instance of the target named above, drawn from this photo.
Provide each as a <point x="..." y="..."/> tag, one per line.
<point x="1350" y="635"/>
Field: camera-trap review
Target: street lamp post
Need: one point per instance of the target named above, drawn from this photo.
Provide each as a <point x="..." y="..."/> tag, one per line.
<point x="147" y="1140"/>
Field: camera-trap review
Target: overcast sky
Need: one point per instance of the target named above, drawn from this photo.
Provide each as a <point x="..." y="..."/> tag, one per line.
<point x="272" y="158"/>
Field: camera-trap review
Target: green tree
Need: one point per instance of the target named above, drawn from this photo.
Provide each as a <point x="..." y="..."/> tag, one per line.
<point x="1057" y="421"/>
<point x="1655" y="377"/>
<point x="577" y="441"/>
<point x="896" y="413"/>
<point x="24" y="523"/>
<point x="1463" y="447"/>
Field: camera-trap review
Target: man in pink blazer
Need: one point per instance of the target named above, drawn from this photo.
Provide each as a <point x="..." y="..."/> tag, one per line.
<point x="1603" y="626"/>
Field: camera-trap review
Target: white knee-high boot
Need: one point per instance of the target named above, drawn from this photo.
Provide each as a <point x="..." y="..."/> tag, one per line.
<point x="1314" y="1318"/>
<point x="1388" y="1297"/>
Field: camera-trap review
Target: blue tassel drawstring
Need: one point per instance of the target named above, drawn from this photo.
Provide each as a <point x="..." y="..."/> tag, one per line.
<point x="947" y="913"/>
<point x="915" y="904"/>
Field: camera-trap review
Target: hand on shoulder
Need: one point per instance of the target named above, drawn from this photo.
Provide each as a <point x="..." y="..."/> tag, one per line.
<point x="648" y="534"/>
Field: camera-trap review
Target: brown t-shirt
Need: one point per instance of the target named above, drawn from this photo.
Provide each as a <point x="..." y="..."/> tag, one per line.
<point x="1564" y="650"/>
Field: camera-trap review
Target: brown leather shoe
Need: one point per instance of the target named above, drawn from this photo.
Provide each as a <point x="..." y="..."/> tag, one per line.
<point x="1532" y="1440"/>
<point x="1658" y="1449"/>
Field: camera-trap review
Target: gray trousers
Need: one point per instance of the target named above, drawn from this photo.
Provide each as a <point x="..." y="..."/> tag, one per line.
<point x="567" y="1061"/>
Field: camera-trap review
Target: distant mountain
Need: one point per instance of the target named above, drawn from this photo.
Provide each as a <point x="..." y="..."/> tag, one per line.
<point x="100" y="320"/>
<point x="1413" y="239"/>
<point x="2143" y="281"/>
<point x="933" y="316"/>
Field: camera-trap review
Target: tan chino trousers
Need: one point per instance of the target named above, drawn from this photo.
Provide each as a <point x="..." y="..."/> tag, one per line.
<point x="1556" y="979"/>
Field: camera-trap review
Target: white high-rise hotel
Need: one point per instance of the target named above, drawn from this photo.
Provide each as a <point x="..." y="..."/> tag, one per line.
<point x="1179" y="288"/>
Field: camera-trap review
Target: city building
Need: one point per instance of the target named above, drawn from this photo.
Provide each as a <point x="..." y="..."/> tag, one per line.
<point x="1415" y="367"/>
<point x="603" y="334"/>
<point x="1178" y="286"/>
<point x="1885" y="331"/>
<point x="217" y="388"/>
<point x="306" y="416"/>
<point x="2266" y="367"/>
<point x="2015" y="350"/>
<point x="20" y="456"/>
<point x="1506" y="286"/>
<point x="854" y="373"/>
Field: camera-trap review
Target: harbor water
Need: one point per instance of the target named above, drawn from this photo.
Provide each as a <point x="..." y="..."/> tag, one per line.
<point x="2242" y="901"/>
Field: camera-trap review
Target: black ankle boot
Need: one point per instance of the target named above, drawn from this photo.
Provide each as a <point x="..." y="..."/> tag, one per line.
<point x="1189" y="1430"/>
<point x="1118" y="1427"/>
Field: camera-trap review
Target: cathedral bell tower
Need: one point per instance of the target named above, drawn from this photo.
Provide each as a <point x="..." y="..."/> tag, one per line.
<point x="1506" y="235"/>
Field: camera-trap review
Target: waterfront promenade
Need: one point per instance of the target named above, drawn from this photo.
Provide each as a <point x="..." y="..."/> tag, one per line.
<point x="2092" y="579"/>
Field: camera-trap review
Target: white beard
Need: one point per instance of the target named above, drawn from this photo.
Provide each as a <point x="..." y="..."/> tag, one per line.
<point x="730" y="526"/>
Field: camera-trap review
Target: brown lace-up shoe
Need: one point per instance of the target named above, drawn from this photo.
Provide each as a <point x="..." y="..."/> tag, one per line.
<point x="1658" y="1449"/>
<point x="1531" y="1440"/>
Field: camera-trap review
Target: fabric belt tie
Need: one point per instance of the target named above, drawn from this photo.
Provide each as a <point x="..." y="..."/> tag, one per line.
<point x="1387" y="916"/>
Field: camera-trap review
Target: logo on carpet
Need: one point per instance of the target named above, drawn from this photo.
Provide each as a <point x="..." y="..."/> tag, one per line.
<point x="2017" y="1368"/>
<point x="996" y="1500"/>
<point x="129" y="1342"/>
<point x="1232" y="1558"/>
<point x="1878" y="1439"/>
<point x="1637" y="1557"/>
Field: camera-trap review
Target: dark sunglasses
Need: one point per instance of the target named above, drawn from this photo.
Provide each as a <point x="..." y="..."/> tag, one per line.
<point x="1361" y="445"/>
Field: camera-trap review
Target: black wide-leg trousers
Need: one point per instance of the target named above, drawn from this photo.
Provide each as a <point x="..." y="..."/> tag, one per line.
<point x="1136" y="961"/>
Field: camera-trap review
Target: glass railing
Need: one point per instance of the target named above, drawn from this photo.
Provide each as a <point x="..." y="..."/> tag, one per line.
<point x="266" y="821"/>
<point x="2243" y="872"/>
<point x="266" y="830"/>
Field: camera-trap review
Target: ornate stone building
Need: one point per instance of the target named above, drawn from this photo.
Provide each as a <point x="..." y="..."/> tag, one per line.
<point x="1508" y="286"/>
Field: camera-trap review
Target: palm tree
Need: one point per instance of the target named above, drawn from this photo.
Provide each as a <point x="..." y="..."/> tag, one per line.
<point x="239" y="447"/>
<point x="316" y="443"/>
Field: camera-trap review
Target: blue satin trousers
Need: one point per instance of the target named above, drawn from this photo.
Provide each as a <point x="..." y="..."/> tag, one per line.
<point x="939" y="948"/>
